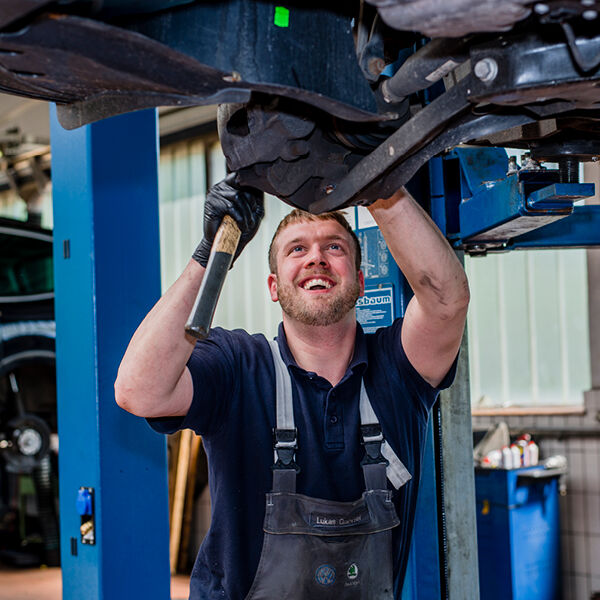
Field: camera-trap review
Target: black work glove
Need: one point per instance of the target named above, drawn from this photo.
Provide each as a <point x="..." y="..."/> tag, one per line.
<point x="243" y="204"/>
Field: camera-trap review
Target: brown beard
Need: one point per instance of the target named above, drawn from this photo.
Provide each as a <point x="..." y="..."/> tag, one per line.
<point x="328" y="312"/>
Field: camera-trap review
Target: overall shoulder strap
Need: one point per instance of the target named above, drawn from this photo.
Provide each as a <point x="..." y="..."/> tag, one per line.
<point x="377" y="450"/>
<point x="285" y="435"/>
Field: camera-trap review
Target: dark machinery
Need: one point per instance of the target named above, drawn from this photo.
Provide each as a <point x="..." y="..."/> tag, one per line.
<point x="329" y="103"/>
<point x="28" y="422"/>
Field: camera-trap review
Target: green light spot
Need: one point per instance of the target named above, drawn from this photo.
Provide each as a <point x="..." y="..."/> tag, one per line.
<point x="282" y="17"/>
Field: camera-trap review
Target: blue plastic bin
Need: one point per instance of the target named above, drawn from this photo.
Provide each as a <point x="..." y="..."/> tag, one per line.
<point x="518" y="533"/>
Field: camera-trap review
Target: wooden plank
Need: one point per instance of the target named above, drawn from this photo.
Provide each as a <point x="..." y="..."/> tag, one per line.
<point x="173" y="451"/>
<point x="529" y="410"/>
<point x="189" y="504"/>
<point x="183" y="461"/>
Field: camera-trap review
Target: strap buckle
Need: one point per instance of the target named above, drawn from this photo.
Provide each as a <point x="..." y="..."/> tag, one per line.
<point x="372" y="439"/>
<point x="285" y="446"/>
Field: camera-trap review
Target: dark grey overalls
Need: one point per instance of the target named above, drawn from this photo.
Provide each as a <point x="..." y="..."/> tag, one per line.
<point x="317" y="548"/>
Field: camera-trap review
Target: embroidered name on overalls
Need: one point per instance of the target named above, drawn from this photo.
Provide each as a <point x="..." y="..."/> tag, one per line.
<point x="337" y="521"/>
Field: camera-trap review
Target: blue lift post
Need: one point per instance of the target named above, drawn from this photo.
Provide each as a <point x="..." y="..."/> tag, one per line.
<point x="107" y="276"/>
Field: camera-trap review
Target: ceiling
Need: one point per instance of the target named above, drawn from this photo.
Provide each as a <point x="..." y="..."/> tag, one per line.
<point x="31" y="117"/>
<point x="25" y="132"/>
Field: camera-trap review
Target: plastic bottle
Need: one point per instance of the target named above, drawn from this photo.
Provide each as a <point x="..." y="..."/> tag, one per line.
<point x="507" y="458"/>
<point x="516" y="455"/>
<point x="493" y="459"/>
<point x="534" y="453"/>
<point x="524" y="450"/>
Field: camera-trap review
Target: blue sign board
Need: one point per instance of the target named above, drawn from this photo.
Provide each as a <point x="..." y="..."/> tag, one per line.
<point x="376" y="308"/>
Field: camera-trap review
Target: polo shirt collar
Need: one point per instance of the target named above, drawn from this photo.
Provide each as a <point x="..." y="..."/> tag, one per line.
<point x="359" y="361"/>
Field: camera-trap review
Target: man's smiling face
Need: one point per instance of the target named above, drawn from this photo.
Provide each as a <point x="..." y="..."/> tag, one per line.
<point x="316" y="281"/>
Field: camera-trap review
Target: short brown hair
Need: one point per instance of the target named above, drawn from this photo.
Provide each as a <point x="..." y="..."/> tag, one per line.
<point x="298" y="216"/>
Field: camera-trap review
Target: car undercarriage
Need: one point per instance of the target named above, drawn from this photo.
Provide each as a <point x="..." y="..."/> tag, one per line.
<point x="325" y="105"/>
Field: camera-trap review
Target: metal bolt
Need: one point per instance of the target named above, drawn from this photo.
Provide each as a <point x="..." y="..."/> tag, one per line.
<point x="376" y="65"/>
<point x="541" y="9"/>
<point x="486" y="69"/>
<point x="568" y="168"/>
<point x="29" y="442"/>
<point x="329" y="188"/>
<point x="477" y="250"/>
<point x="589" y="15"/>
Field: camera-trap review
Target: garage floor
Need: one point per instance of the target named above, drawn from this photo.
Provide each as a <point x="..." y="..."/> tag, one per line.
<point x="45" y="584"/>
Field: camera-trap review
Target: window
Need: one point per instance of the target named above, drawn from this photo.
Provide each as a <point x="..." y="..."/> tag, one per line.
<point x="528" y="329"/>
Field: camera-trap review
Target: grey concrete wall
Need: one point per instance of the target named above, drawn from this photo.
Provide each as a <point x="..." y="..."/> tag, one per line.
<point x="592" y="174"/>
<point x="593" y="257"/>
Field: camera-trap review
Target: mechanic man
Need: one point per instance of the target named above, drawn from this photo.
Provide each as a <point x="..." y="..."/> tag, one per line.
<point x="327" y="423"/>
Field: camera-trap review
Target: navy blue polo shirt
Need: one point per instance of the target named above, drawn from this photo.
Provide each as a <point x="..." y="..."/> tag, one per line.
<point x="234" y="410"/>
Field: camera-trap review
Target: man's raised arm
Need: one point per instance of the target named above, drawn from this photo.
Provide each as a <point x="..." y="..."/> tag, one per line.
<point x="435" y="317"/>
<point x="153" y="380"/>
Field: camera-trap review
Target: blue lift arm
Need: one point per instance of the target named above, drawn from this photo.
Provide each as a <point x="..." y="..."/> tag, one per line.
<point x="580" y="230"/>
<point x="487" y="207"/>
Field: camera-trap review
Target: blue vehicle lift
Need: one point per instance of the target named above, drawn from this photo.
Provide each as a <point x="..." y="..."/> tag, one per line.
<point x="113" y="469"/>
<point x="113" y="476"/>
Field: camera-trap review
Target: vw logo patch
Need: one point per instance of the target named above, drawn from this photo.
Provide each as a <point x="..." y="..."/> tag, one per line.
<point x="325" y="575"/>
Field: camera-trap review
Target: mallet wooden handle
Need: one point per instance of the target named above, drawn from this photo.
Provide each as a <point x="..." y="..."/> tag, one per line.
<point x="221" y="254"/>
